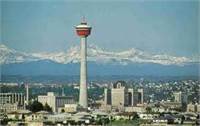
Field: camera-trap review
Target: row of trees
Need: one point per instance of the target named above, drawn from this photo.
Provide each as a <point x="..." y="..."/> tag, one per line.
<point x="37" y="106"/>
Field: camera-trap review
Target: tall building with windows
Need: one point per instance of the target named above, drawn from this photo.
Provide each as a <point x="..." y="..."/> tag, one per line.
<point x="107" y="96"/>
<point x="27" y="94"/>
<point x="118" y="94"/>
<point x="180" y="97"/>
<point x="140" y="96"/>
<point x="177" y="96"/>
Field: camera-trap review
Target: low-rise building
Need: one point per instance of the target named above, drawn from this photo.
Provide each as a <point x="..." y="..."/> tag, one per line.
<point x="135" y="109"/>
<point x="11" y="101"/>
<point x="69" y="108"/>
<point x="193" y="107"/>
<point x="148" y="116"/>
<point x="54" y="101"/>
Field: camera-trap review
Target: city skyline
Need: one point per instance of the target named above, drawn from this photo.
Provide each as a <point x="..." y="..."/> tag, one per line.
<point x="157" y="27"/>
<point x="99" y="63"/>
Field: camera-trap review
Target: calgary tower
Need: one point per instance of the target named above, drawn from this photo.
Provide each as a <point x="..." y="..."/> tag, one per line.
<point x="83" y="30"/>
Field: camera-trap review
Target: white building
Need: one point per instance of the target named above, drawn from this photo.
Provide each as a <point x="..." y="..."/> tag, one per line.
<point x="138" y="109"/>
<point x="118" y="97"/>
<point x="177" y="96"/>
<point x="11" y="101"/>
<point x="8" y="107"/>
<point x="193" y="107"/>
<point x="180" y="97"/>
<point x="141" y="96"/>
<point x="69" y="108"/>
<point x="55" y="101"/>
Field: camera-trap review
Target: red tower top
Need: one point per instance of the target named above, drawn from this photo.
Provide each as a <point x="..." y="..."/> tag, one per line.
<point x="83" y="30"/>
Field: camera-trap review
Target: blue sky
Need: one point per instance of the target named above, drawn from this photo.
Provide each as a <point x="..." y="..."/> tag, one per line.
<point x="156" y="27"/>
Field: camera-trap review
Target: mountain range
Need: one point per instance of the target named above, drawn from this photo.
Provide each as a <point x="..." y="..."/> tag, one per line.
<point x="100" y="62"/>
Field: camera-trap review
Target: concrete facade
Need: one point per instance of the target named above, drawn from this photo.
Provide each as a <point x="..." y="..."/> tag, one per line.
<point x="11" y="101"/>
<point x="55" y="101"/>
<point x="83" y="31"/>
<point x="83" y="74"/>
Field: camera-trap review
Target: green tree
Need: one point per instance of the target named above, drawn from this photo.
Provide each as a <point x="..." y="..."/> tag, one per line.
<point x="35" y="106"/>
<point x="148" y="109"/>
<point x="182" y="119"/>
<point x="135" y="116"/>
<point x="47" y="108"/>
<point x="62" y="110"/>
<point x="23" y="117"/>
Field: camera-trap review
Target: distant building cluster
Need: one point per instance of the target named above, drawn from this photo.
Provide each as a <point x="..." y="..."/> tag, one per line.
<point x="118" y="102"/>
<point x="119" y="96"/>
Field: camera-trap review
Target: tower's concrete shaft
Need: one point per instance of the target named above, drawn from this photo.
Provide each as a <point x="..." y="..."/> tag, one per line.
<point x="83" y="73"/>
<point x="27" y="94"/>
<point x="83" y="31"/>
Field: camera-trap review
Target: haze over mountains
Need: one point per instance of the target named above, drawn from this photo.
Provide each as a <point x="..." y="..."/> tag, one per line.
<point x="100" y="62"/>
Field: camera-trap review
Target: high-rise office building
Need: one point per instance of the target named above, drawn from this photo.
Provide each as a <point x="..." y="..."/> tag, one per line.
<point x="118" y="94"/>
<point x="107" y="97"/>
<point x="140" y="96"/>
<point x="180" y="97"/>
<point x="27" y="94"/>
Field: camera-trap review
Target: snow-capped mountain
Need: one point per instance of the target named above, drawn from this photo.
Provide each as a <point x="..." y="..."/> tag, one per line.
<point x="8" y="56"/>
<point x="96" y="54"/>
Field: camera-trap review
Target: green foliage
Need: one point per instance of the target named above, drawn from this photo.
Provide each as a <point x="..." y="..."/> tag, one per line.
<point x="134" y="122"/>
<point x="47" y="108"/>
<point x="102" y="121"/>
<point x="184" y="107"/>
<point x="94" y="93"/>
<point x="23" y="117"/>
<point x="4" y="119"/>
<point x="136" y="116"/>
<point x="62" y="111"/>
<point x="4" y="122"/>
<point x="35" y="106"/>
<point x="148" y="109"/>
